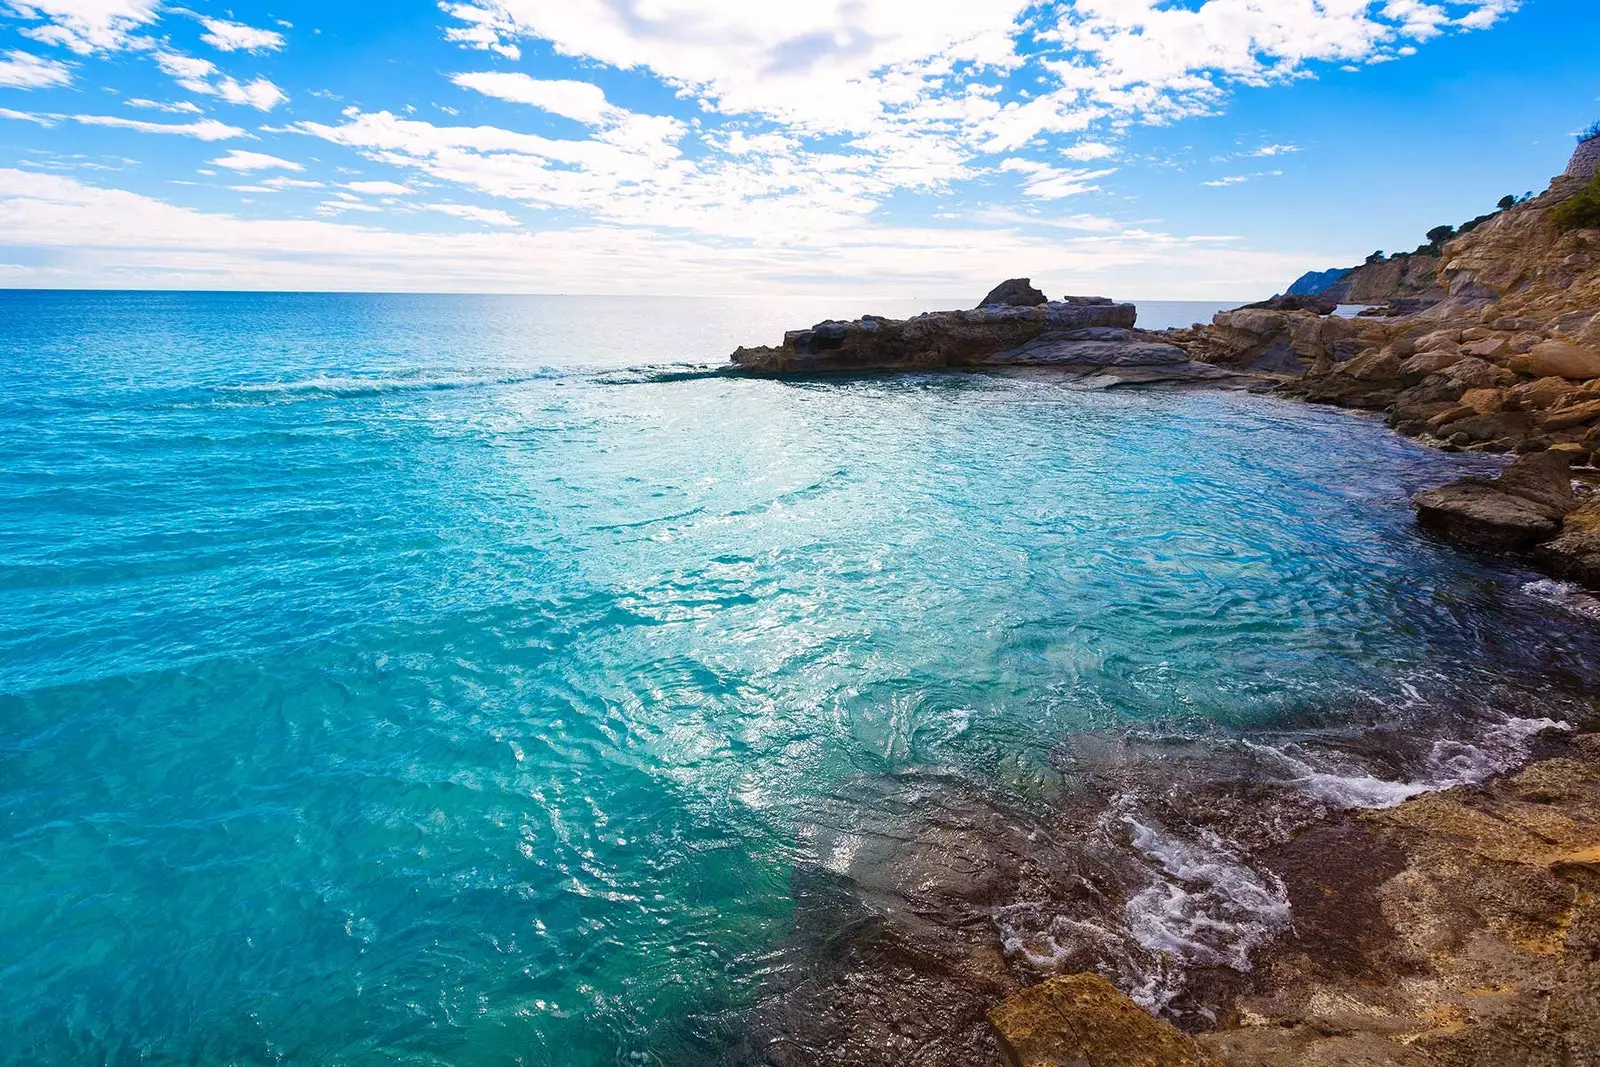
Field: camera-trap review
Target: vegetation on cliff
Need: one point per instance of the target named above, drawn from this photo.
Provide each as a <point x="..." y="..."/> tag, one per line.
<point x="1582" y="212"/>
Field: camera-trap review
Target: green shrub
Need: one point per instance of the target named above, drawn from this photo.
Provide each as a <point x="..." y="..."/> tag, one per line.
<point x="1582" y="212"/>
<point x="1590" y="134"/>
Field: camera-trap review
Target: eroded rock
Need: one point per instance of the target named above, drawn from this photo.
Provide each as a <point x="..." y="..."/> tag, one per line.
<point x="1015" y="292"/>
<point x="1082" y="1020"/>
<point x="1517" y="511"/>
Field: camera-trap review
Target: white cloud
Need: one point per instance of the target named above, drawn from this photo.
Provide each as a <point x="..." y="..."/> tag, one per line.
<point x="1276" y="150"/>
<point x="202" y="76"/>
<point x="379" y="188"/>
<point x="26" y="116"/>
<point x="1237" y="179"/>
<point x="97" y="236"/>
<point x="475" y="214"/>
<point x="204" y="129"/>
<point x="576" y="100"/>
<point x="20" y="70"/>
<point x="183" y="107"/>
<point x="227" y="36"/>
<point x="259" y="94"/>
<point x="1089" y="151"/>
<point x="1041" y="181"/>
<point x="86" y="26"/>
<point x="237" y="160"/>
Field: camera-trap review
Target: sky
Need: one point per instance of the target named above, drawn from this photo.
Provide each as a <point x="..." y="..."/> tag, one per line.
<point x="1177" y="149"/>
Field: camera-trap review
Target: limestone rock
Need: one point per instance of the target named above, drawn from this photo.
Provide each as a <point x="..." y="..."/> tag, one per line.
<point x="1015" y="292"/>
<point x="1572" y="415"/>
<point x="1083" y="1021"/>
<point x="1522" y="508"/>
<point x="1488" y="348"/>
<point x="1054" y="333"/>
<point x="1542" y="394"/>
<point x="1564" y="360"/>
<point x="1423" y="364"/>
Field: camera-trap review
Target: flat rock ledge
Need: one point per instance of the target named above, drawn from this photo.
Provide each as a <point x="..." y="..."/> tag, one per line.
<point x="1459" y="929"/>
<point x="1091" y="336"/>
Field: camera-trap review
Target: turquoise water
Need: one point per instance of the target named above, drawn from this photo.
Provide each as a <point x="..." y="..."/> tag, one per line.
<point x="424" y="679"/>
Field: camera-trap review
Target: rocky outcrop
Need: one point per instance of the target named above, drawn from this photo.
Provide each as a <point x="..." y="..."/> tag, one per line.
<point x="1585" y="161"/>
<point x="1403" y="277"/>
<point x="1517" y="511"/>
<point x="1459" y="929"/>
<point x="1016" y="293"/>
<point x="1317" y="305"/>
<point x="1276" y="342"/>
<point x="1082" y="1019"/>
<point x="1089" y="336"/>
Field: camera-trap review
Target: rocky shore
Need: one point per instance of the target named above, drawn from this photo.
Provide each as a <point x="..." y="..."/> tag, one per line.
<point x="1091" y="338"/>
<point x="1451" y="929"/>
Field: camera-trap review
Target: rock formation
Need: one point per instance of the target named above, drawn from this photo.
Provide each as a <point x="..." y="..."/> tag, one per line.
<point x="1014" y="292"/>
<point x="1460" y="929"/>
<point x="1522" y="508"/>
<point x="1083" y="1019"/>
<point x="1090" y="336"/>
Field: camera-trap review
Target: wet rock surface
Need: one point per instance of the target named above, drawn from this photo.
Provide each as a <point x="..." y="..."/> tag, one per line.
<point x="1084" y="1019"/>
<point x="1203" y="879"/>
<point x="1522" y="508"/>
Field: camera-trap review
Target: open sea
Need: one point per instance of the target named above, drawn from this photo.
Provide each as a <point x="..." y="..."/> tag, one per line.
<point x="458" y="680"/>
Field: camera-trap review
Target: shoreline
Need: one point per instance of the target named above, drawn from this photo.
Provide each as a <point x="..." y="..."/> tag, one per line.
<point x="1233" y="902"/>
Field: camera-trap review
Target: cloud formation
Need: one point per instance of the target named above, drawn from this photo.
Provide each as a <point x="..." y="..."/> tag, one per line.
<point x="22" y="70"/>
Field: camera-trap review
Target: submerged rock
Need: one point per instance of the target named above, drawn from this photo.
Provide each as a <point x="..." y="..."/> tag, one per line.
<point x="1521" y="509"/>
<point x="1082" y="1019"/>
<point x="1016" y="292"/>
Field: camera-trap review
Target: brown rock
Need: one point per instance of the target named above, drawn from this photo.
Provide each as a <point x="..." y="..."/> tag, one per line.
<point x="1522" y="508"/>
<point x="1542" y="394"/>
<point x="1572" y="415"/>
<point x="1485" y="401"/>
<point x="1374" y="365"/>
<point x="1489" y="348"/>
<point x="1523" y="343"/>
<point x="1423" y="364"/>
<point x="1565" y="360"/>
<point x="1083" y="1021"/>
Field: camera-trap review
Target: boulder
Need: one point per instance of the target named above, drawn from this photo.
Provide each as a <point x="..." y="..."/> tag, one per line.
<point x="1016" y="293"/>
<point x="1572" y="415"/>
<point x="1083" y="1021"/>
<point x="1488" y="348"/>
<point x="1575" y="555"/>
<point x="1564" y="360"/>
<point x="1423" y="364"/>
<point x="1485" y="401"/>
<point x="1542" y="394"/>
<point x="1317" y="305"/>
<point x="1522" y="508"/>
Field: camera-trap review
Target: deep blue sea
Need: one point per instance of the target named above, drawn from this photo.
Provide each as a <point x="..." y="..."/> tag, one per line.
<point x="449" y="680"/>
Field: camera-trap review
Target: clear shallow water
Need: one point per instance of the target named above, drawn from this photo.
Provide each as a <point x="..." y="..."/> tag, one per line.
<point x="416" y="679"/>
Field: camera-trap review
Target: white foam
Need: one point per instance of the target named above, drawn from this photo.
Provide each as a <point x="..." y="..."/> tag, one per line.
<point x="1451" y="763"/>
<point x="1205" y="906"/>
<point x="1572" y="597"/>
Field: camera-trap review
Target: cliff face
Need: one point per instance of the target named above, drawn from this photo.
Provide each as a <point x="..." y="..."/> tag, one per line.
<point x="1519" y="266"/>
<point x="1404" y="278"/>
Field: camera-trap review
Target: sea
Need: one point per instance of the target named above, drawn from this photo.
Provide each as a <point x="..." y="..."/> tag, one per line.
<point x="465" y="680"/>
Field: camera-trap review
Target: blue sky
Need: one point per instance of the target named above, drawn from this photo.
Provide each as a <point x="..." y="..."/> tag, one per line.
<point x="1182" y="149"/>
